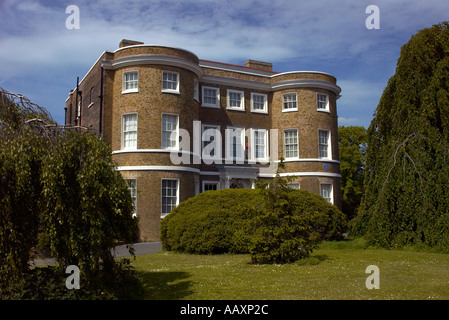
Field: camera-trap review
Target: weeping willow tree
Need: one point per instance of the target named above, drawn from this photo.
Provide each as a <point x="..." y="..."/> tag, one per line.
<point x="406" y="200"/>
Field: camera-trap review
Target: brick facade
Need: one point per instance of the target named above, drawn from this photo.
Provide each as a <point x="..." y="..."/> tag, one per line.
<point x="104" y="100"/>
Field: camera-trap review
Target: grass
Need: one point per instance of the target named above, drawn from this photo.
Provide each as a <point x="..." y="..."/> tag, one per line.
<point x="334" y="271"/>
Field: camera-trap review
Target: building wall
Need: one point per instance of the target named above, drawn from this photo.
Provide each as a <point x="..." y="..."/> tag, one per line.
<point x="149" y="164"/>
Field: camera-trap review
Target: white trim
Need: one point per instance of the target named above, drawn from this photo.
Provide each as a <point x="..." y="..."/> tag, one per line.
<point x="331" y="191"/>
<point x="265" y="107"/>
<point x="143" y="59"/>
<point x="284" y="109"/>
<point x="157" y="168"/>
<point x="217" y="96"/>
<point x="133" y="90"/>
<point x="252" y="157"/>
<point x="123" y="133"/>
<point x="176" y="147"/>
<point x="216" y="173"/>
<point x="301" y="174"/>
<point x="151" y="151"/>
<point x="329" y="144"/>
<point x="326" y="109"/>
<point x="178" y="187"/>
<point x="283" y="143"/>
<point x="242" y="100"/>
<point x="209" y="173"/>
<point x="309" y="160"/>
<point x="176" y="91"/>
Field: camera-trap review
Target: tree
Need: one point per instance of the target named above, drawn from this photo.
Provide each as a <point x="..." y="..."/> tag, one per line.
<point x="406" y="198"/>
<point x="352" y="143"/>
<point x="87" y="208"/>
<point x="62" y="182"/>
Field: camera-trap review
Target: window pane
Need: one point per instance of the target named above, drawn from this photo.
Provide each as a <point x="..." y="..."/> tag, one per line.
<point x="130" y="130"/>
<point x="170" y="81"/>
<point x="210" y="96"/>
<point x="322" y="101"/>
<point x="169" y="125"/>
<point x="326" y="192"/>
<point x="324" y="143"/>
<point x="131" y="80"/>
<point x="289" y="101"/>
<point x="259" y="144"/>
<point x="169" y="195"/>
<point x="258" y="102"/>
<point x="291" y="143"/>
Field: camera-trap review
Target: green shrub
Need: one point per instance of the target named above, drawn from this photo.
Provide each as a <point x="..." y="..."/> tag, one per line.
<point x="208" y="222"/>
<point x="239" y="221"/>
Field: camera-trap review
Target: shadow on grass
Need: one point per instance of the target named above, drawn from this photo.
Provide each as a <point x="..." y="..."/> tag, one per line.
<point x="312" y="260"/>
<point x="165" y="285"/>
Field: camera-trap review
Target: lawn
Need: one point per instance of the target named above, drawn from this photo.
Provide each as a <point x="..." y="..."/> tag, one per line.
<point x="336" y="270"/>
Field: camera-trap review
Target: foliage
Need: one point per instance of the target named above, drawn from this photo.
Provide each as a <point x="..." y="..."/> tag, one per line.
<point x="352" y="142"/>
<point x="273" y="223"/>
<point x="208" y="222"/>
<point x="60" y="186"/>
<point x="87" y="205"/>
<point x="406" y="199"/>
<point x="291" y="223"/>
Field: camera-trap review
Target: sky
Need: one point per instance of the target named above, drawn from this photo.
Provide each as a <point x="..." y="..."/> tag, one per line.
<point x="41" y="58"/>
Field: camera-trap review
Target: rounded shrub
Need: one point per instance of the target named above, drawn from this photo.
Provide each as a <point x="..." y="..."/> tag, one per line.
<point x="208" y="222"/>
<point x="241" y="221"/>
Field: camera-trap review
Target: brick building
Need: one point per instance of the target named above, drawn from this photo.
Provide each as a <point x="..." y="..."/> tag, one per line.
<point x="179" y="125"/>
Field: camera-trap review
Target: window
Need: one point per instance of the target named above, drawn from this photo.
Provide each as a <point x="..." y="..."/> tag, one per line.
<point x="79" y="109"/>
<point x="259" y="103"/>
<point x="132" y="188"/>
<point x="293" y="185"/>
<point x="129" y="131"/>
<point x="196" y="90"/>
<point x="322" y="102"/>
<point x="211" y="134"/>
<point x="170" y="130"/>
<point x="210" y="185"/>
<point x="324" y="144"/>
<point x="260" y="144"/>
<point x="211" y="97"/>
<point x="326" y="192"/>
<point x="236" y="100"/>
<point x="130" y="81"/>
<point x="170" y="195"/>
<point x="289" y="102"/>
<point x="291" y="143"/>
<point x="235" y="143"/>
<point x="170" y="82"/>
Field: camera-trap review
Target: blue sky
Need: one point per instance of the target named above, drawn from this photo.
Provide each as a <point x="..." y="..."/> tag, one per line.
<point x="40" y="58"/>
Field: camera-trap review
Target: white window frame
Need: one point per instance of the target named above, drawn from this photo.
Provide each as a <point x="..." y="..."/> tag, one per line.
<point x="318" y="101"/>
<point x="285" y="144"/>
<point x="254" y="146"/>
<point x="170" y="90"/>
<point x="329" y="144"/>
<point x="217" y="150"/>
<point x="133" y="190"/>
<point x="265" y="103"/>
<point x="176" y="146"/>
<point x="230" y="145"/>
<point x="123" y="147"/>
<point x="331" y="192"/>
<point x="217" y="97"/>
<point x="217" y="183"/>
<point x="162" y="195"/>
<point x="294" y="185"/>
<point x="242" y="100"/>
<point x="196" y="90"/>
<point x="124" y="82"/>
<point x="284" y="109"/>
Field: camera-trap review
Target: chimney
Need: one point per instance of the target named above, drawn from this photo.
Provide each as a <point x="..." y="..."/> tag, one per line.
<point x="259" y="65"/>
<point x="127" y="43"/>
